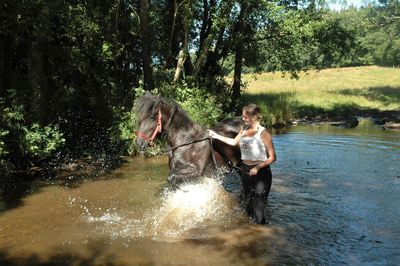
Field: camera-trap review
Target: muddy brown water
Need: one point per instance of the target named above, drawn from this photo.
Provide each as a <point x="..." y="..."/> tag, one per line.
<point x="334" y="200"/>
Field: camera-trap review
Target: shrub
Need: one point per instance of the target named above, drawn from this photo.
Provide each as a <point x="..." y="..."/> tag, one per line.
<point x="202" y="106"/>
<point x="122" y="132"/>
<point x="277" y="109"/>
<point x="23" y="143"/>
<point x="41" y="142"/>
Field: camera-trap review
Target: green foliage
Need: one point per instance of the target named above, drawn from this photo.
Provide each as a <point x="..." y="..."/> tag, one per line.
<point x="11" y="126"/>
<point x="159" y="148"/>
<point x="277" y="109"/>
<point x="376" y="33"/>
<point x="202" y="106"/>
<point x="22" y="143"/>
<point x="69" y="63"/>
<point x="41" y="142"/>
<point x="3" y="149"/>
<point x="333" y="41"/>
<point x="123" y="130"/>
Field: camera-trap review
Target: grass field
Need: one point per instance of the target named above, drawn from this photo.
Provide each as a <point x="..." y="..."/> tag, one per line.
<point x="332" y="92"/>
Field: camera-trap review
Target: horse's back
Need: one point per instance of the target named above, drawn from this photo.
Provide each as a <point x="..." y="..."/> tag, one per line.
<point x="229" y="127"/>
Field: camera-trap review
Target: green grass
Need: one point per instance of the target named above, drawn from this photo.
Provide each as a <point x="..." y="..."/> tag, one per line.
<point x="332" y="92"/>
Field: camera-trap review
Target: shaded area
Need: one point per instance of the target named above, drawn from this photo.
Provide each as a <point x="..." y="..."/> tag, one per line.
<point x="97" y="254"/>
<point x="386" y="94"/>
<point x="59" y="259"/>
<point x="72" y="174"/>
<point x="252" y="243"/>
<point x="278" y="109"/>
<point x="15" y="187"/>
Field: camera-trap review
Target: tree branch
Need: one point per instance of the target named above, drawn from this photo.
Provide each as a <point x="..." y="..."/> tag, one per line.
<point x="392" y="17"/>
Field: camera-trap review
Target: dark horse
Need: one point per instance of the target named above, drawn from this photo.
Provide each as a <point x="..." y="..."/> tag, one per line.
<point x="191" y="151"/>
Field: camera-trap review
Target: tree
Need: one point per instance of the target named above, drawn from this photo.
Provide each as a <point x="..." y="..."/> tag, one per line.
<point x="384" y="23"/>
<point x="146" y="45"/>
<point x="241" y="30"/>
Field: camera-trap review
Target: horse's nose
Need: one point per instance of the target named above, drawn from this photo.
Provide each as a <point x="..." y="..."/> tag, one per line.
<point x="171" y="179"/>
<point x="141" y="144"/>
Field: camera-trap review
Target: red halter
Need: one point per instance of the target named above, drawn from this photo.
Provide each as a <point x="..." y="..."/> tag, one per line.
<point x="157" y="130"/>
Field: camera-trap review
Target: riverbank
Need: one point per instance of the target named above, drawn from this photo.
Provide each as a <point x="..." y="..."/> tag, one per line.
<point x="388" y="120"/>
<point x="327" y="96"/>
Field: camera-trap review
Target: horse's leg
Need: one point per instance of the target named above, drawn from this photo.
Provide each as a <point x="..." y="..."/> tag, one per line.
<point x="187" y="173"/>
<point x="181" y="170"/>
<point x="189" y="162"/>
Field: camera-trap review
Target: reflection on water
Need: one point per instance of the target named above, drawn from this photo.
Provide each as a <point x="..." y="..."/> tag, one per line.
<point x="334" y="200"/>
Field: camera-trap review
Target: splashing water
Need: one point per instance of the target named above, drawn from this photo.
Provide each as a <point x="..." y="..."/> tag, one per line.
<point x="189" y="207"/>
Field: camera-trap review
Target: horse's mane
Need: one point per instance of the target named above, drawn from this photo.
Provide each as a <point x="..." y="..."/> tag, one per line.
<point x="144" y="105"/>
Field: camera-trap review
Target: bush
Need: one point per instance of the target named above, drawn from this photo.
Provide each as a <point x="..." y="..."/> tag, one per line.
<point x="203" y="107"/>
<point x="23" y="143"/>
<point x="41" y="142"/>
<point x="123" y="130"/>
<point x="277" y="109"/>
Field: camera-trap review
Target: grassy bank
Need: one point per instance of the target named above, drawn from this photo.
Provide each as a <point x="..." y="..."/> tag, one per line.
<point x="329" y="92"/>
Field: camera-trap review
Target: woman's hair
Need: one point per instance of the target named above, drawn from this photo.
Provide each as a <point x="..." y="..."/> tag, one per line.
<point x="252" y="110"/>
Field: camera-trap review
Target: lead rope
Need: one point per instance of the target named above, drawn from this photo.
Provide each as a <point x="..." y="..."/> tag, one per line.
<point x="209" y="138"/>
<point x="171" y="150"/>
<point x="212" y="152"/>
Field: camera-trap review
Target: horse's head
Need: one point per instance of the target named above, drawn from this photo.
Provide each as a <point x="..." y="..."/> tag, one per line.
<point x="149" y="113"/>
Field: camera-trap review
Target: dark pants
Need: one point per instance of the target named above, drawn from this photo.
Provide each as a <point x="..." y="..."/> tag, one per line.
<point x="255" y="191"/>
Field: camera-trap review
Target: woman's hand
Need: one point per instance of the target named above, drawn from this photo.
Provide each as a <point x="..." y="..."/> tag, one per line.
<point x="227" y="140"/>
<point x="212" y="133"/>
<point x="254" y="171"/>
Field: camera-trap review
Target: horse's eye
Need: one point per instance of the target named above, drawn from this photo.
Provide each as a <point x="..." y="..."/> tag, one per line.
<point x="152" y="117"/>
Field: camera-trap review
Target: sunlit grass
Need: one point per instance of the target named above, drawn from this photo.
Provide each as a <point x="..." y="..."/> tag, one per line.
<point x="334" y="91"/>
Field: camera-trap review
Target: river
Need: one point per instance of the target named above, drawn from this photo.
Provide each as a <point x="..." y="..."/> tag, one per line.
<point x="334" y="201"/>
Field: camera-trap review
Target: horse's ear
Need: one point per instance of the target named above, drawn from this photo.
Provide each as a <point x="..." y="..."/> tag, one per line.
<point x="147" y="93"/>
<point x="156" y="106"/>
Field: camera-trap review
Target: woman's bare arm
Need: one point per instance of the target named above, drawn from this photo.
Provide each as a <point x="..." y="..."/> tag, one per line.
<point x="229" y="141"/>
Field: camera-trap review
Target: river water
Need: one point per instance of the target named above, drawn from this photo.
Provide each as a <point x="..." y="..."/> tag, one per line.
<point x="335" y="200"/>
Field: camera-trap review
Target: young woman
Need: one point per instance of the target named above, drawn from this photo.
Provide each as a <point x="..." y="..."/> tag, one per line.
<point x="257" y="154"/>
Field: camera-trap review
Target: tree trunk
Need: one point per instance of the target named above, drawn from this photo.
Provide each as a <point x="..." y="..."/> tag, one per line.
<point x="209" y="32"/>
<point x="37" y="81"/>
<point x="183" y="54"/>
<point x="179" y="65"/>
<point x="5" y="64"/>
<point x="173" y="13"/>
<point x="206" y="21"/>
<point x="237" y="76"/>
<point x="146" y="43"/>
<point x="238" y="35"/>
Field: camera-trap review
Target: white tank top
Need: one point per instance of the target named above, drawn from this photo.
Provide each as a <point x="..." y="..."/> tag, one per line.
<point x="253" y="148"/>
